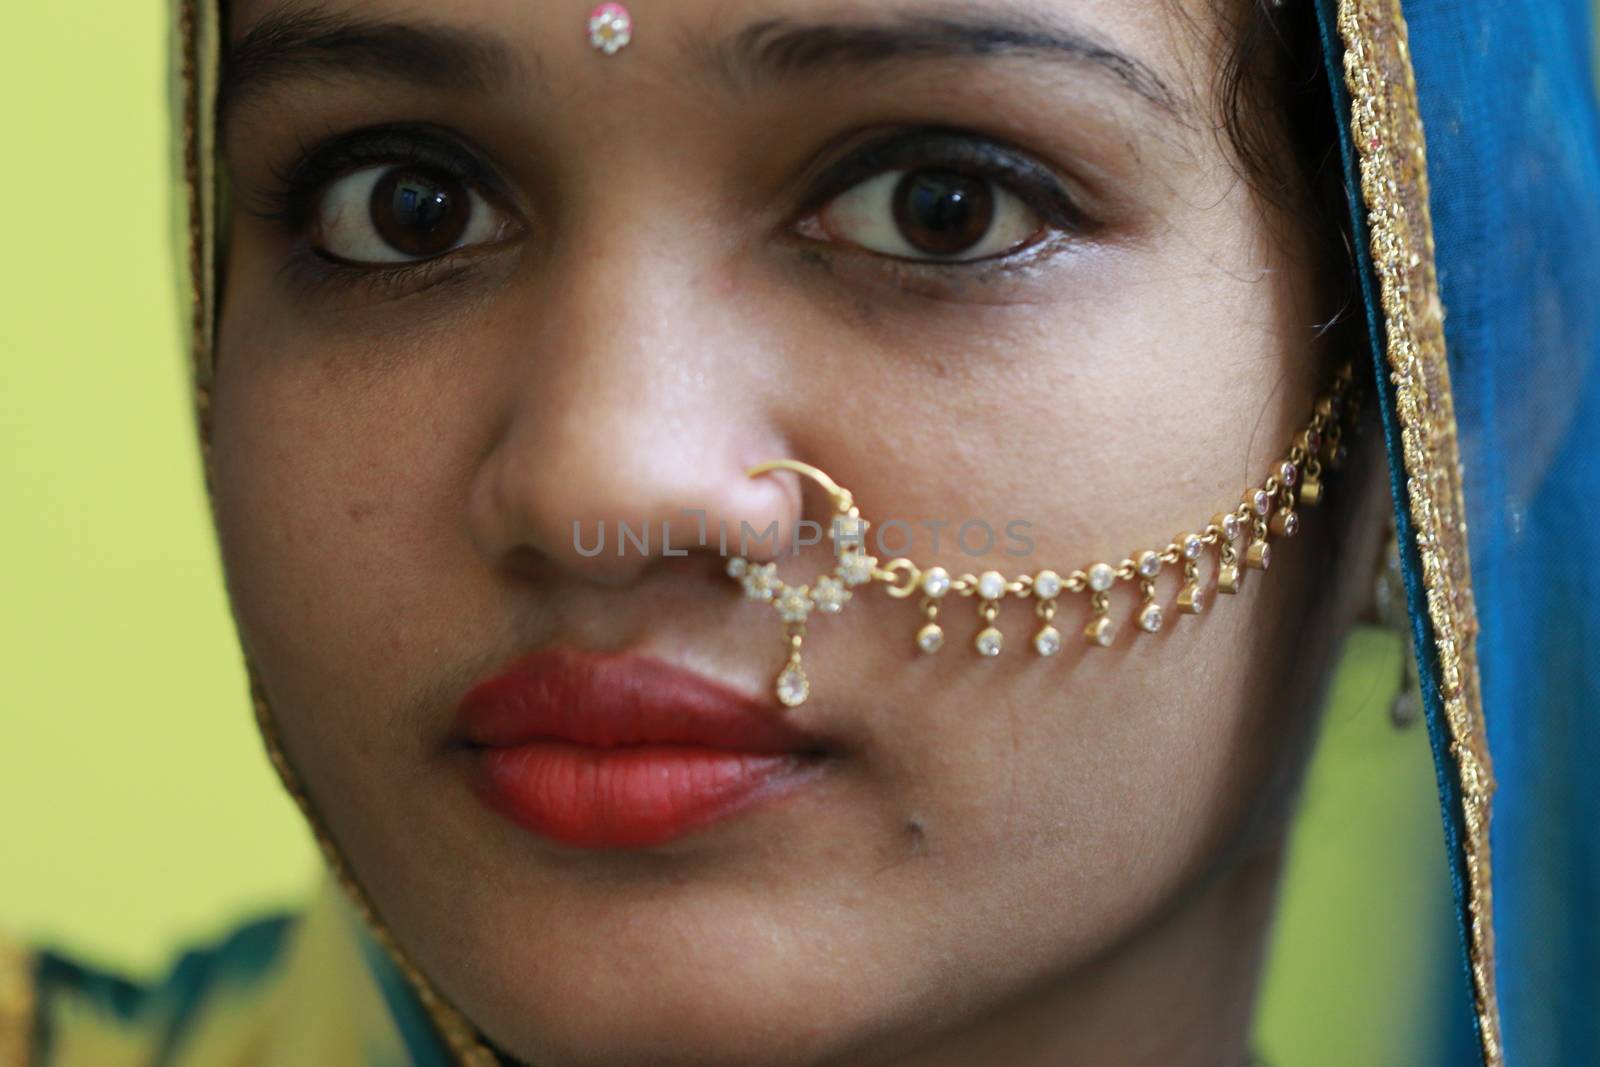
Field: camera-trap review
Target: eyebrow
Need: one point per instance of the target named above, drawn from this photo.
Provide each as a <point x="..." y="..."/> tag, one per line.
<point x="784" y="47"/>
<point x="307" y="42"/>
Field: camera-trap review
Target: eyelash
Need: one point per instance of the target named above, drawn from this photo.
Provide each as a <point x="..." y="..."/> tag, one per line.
<point x="290" y="202"/>
<point x="935" y="148"/>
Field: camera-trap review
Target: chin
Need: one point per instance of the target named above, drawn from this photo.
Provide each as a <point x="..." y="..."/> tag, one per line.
<point x="618" y="976"/>
<point x="612" y="1008"/>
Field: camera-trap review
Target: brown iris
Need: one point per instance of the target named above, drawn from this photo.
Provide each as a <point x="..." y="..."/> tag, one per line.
<point x="418" y="213"/>
<point x="943" y="213"/>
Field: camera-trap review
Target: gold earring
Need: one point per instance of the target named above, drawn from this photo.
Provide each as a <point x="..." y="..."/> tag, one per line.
<point x="1389" y="593"/>
<point x="1269" y="510"/>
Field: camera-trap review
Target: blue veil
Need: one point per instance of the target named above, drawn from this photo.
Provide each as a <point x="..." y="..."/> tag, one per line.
<point x="1496" y="487"/>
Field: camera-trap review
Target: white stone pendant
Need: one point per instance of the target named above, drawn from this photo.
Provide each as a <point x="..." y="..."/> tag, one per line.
<point x="792" y="687"/>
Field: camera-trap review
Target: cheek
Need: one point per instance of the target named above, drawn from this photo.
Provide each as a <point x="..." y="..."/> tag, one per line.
<point x="334" y="500"/>
<point x="1082" y="792"/>
<point x="1085" y="790"/>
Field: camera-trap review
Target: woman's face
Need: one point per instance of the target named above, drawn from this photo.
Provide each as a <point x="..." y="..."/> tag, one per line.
<point x="643" y="273"/>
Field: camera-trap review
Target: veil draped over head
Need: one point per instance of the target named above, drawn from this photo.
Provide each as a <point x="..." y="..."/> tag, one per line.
<point x="1479" y="252"/>
<point x="1507" y="97"/>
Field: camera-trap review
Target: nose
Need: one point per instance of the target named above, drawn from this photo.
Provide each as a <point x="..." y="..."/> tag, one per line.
<point x="626" y="428"/>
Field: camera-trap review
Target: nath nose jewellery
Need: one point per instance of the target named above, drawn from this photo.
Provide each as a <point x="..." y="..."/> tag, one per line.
<point x="1269" y="510"/>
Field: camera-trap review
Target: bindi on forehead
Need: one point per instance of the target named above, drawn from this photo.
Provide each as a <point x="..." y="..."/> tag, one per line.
<point x="478" y="56"/>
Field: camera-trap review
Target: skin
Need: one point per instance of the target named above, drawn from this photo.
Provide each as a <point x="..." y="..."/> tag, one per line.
<point x="1013" y="861"/>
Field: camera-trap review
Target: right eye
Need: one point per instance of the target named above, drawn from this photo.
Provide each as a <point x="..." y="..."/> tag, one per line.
<point x="402" y="213"/>
<point x="932" y="214"/>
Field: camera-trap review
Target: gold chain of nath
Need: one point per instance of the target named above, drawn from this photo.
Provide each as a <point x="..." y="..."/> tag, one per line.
<point x="1264" y="512"/>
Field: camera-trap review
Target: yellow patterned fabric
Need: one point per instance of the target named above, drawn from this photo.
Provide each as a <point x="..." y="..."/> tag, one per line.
<point x="281" y="992"/>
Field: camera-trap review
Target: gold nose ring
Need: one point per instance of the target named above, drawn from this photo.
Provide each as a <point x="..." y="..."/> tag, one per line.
<point x="828" y="594"/>
<point x="1265" y="511"/>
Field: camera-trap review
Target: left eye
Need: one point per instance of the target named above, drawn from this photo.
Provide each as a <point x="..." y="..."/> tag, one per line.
<point x="399" y="214"/>
<point x="931" y="214"/>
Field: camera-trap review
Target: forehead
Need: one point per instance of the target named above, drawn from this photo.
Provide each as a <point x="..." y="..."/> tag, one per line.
<point x="1124" y="13"/>
<point x="1164" y="47"/>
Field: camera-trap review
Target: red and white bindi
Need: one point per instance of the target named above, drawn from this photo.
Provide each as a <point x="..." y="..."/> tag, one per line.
<point x="610" y="28"/>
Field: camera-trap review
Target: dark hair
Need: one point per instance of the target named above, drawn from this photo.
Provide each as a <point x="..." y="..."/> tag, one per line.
<point x="1277" y="113"/>
<point x="1273" y="92"/>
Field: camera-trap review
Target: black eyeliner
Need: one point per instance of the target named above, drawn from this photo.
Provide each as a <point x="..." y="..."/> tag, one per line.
<point x="933" y="148"/>
<point x="292" y="202"/>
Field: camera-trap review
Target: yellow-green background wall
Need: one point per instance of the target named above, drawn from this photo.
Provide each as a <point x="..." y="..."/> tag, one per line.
<point x="136" y="809"/>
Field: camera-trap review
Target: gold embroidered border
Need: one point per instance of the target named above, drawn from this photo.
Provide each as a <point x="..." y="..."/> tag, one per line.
<point x="16" y="1005"/>
<point x="1387" y="127"/>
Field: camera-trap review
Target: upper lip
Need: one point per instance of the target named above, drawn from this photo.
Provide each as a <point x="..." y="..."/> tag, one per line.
<point x="606" y="700"/>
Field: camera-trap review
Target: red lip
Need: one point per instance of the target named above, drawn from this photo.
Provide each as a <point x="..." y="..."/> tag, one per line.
<point x="608" y="751"/>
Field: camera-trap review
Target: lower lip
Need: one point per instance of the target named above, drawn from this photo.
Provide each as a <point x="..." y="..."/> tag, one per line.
<point x="630" y="796"/>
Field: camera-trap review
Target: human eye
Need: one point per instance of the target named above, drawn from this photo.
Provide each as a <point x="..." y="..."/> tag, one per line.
<point x="388" y="197"/>
<point x="400" y="213"/>
<point x="942" y="197"/>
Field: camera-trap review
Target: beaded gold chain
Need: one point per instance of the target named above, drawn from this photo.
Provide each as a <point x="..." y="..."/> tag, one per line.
<point x="1269" y="510"/>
